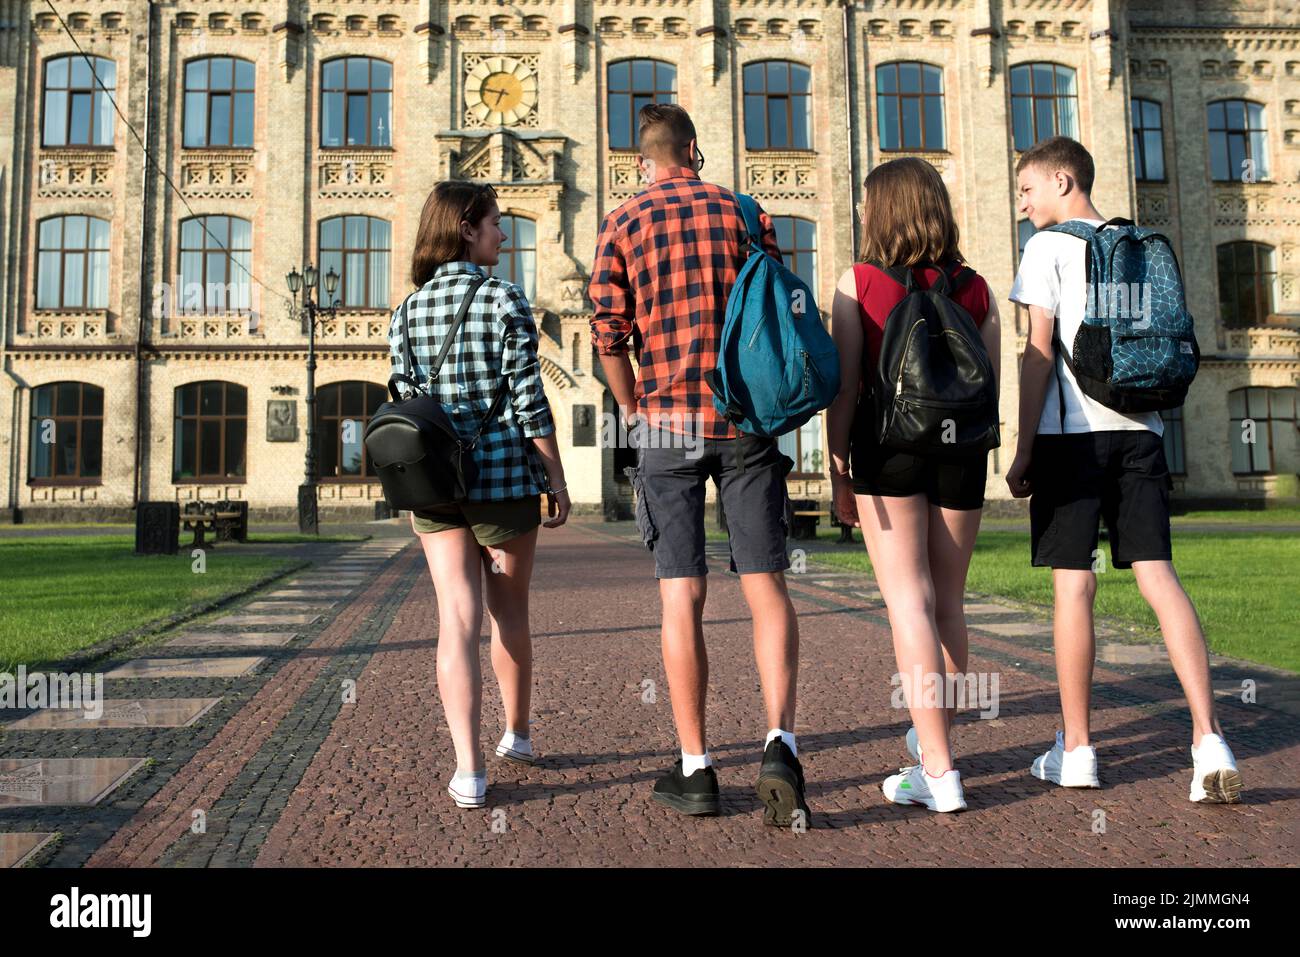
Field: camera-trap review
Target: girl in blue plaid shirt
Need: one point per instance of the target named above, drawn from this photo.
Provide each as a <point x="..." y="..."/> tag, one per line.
<point x="491" y="378"/>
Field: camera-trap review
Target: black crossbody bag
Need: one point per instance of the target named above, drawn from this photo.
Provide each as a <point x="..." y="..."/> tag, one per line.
<point x="420" y="458"/>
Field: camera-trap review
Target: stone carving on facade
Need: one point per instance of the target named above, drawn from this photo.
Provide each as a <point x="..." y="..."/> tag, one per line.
<point x="217" y="175"/>
<point x="520" y="164"/>
<point x="75" y="174"/>
<point x="355" y="174"/>
<point x="775" y="174"/>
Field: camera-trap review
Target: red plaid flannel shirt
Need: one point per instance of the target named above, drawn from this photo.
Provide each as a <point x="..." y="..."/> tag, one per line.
<point x="665" y="263"/>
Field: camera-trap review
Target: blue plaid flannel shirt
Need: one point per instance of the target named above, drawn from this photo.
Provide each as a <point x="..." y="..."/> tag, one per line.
<point x="498" y="339"/>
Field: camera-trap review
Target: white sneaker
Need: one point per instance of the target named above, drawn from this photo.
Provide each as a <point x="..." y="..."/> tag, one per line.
<point x="1215" y="778"/>
<point x="915" y="785"/>
<point x="515" y="748"/>
<point x="469" y="791"/>
<point x="913" y="745"/>
<point x="1070" y="769"/>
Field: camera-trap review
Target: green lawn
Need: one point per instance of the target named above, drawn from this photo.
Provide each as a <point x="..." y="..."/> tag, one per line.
<point x="1243" y="585"/>
<point x="62" y="594"/>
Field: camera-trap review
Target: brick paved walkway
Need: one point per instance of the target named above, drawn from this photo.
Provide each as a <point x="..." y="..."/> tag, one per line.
<point x="331" y="748"/>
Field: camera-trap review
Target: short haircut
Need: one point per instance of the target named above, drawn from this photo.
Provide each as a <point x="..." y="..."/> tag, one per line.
<point x="665" y="131"/>
<point x="1061" y="152"/>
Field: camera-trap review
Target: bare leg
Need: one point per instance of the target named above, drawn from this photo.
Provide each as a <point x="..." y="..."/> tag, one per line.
<point x="1076" y="649"/>
<point x="454" y="565"/>
<point x="1181" y="628"/>
<point x="685" y="660"/>
<point x="508" y="571"/>
<point x="951" y="542"/>
<point x="776" y="644"/>
<point x="896" y="530"/>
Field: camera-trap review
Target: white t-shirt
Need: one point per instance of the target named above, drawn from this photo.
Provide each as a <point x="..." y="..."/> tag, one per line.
<point x="1053" y="275"/>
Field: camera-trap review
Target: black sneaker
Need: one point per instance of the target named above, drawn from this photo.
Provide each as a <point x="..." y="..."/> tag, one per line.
<point x="696" y="793"/>
<point x="780" y="786"/>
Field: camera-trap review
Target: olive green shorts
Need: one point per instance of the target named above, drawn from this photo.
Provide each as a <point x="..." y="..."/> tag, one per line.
<point x="491" y="522"/>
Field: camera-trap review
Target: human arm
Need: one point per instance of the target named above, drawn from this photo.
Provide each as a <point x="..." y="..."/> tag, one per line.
<point x="846" y="331"/>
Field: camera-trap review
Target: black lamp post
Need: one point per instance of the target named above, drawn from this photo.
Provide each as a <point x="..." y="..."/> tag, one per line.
<point x="308" y="511"/>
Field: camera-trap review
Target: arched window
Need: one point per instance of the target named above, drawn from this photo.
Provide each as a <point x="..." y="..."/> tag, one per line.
<point x="219" y="102"/>
<point x="631" y="85"/>
<point x="67" y="434"/>
<point x="210" y="433"/>
<point x="1238" y="141"/>
<point x="1254" y="416"/>
<point x="1024" y="231"/>
<point x="518" y="262"/>
<point x="343" y="409"/>
<point x="356" y="102"/>
<point x="778" y="112"/>
<point x="1148" y="141"/>
<point x="77" y="104"/>
<point x="72" y="263"/>
<point x="358" y="248"/>
<point x="1247" y="283"/>
<point x="1044" y="102"/>
<point x="797" y="239"/>
<point x="1175" y="441"/>
<point x="216" y="264"/>
<point x="909" y="106"/>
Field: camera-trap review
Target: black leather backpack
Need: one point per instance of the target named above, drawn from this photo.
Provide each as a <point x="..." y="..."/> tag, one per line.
<point x="420" y="458"/>
<point x="933" y="390"/>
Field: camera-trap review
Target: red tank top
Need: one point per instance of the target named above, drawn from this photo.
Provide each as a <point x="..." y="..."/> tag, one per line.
<point x="878" y="295"/>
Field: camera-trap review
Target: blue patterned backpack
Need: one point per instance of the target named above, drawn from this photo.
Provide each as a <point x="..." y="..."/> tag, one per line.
<point x="1136" y="349"/>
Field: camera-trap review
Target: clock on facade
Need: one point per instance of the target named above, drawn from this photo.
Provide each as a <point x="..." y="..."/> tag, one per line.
<point x="500" y="90"/>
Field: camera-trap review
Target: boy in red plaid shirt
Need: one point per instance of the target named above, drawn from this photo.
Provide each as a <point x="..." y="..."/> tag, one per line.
<point x="665" y="262"/>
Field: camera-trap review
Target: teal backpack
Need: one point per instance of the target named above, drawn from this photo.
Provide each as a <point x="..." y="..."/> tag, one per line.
<point x="777" y="365"/>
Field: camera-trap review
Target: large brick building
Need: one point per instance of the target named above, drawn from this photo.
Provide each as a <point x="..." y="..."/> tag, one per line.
<point x="151" y="349"/>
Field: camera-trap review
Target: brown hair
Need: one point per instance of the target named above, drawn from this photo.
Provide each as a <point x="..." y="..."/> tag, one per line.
<point x="665" y="130"/>
<point x="907" y="215"/>
<point x="1061" y="152"/>
<point x="438" y="239"/>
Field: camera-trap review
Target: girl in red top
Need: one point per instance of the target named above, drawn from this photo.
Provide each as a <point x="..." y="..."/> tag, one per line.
<point x="919" y="514"/>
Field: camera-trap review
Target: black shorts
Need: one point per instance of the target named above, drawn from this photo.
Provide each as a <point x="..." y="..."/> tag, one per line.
<point x="949" y="482"/>
<point x="749" y="473"/>
<point x="1119" y="477"/>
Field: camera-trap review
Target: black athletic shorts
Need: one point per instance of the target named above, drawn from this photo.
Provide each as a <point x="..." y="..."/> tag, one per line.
<point x="949" y="482"/>
<point x="1119" y="477"/>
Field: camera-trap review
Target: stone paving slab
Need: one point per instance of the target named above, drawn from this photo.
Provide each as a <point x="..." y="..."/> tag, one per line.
<point x="980" y="608"/>
<point x="225" y="667"/>
<point x="46" y="781"/>
<point x="288" y="618"/>
<point x="285" y="605"/>
<point x="17" y="848"/>
<point x="120" y="713"/>
<point x="233" y="639"/>
<point x="1016" y="627"/>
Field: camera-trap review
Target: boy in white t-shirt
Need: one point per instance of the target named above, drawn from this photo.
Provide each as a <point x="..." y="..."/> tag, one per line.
<point x="1084" y="463"/>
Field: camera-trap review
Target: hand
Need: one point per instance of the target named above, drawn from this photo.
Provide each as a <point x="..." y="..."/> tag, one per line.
<point x="1018" y="476"/>
<point x="557" y="506"/>
<point x="844" y="502"/>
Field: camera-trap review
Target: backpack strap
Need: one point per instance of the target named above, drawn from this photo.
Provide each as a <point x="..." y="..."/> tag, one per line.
<point x="410" y="375"/>
<point x="899" y="274"/>
<point x="749" y="211"/>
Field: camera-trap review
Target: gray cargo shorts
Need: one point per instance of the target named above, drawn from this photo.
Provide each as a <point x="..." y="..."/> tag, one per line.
<point x="749" y="473"/>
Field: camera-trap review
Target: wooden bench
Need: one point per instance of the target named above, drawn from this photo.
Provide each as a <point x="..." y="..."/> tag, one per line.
<point x="846" y="531"/>
<point x="202" y="520"/>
